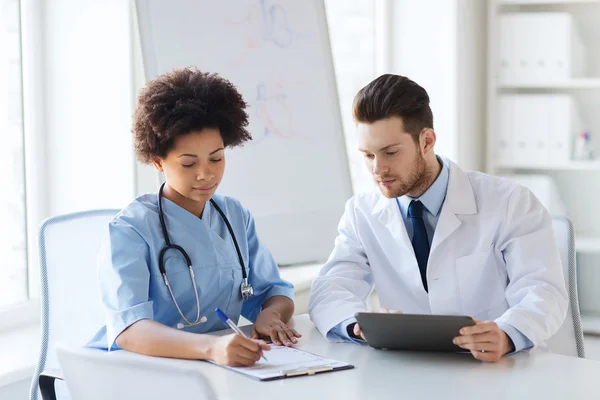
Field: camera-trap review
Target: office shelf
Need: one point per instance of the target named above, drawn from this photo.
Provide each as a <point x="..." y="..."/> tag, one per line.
<point x="574" y="181"/>
<point x="575" y="83"/>
<point x="571" y="166"/>
<point x="545" y="2"/>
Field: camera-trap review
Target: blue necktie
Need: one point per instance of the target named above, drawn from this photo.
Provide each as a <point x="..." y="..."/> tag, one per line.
<point x="419" y="241"/>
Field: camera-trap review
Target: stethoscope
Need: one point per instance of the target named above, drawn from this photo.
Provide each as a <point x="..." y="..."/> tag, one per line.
<point x="246" y="289"/>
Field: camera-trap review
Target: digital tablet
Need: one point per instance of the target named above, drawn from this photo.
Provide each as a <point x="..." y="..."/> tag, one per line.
<point x="412" y="331"/>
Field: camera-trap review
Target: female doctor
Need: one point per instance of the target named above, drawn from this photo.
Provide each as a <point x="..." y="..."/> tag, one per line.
<point x="175" y="256"/>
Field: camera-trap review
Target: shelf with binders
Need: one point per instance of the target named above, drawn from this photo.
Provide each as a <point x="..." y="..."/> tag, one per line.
<point x="544" y="131"/>
<point x="545" y="44"/>
<point x="546" y="2"/>
<point x="543" y="97"/>
<point x="544" y="88"/>
<point x="579" y="166"/>
<point x="565" y="84"/>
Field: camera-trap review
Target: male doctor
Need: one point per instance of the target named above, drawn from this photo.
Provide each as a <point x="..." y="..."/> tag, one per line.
<point x="435" y="239"/>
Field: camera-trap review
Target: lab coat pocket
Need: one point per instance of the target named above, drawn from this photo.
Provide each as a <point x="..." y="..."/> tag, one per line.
<point x="479" y="282"/>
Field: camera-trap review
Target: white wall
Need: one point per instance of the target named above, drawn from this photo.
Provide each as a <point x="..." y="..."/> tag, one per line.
<point x="424" y="44"/>
<point x="78" y="105"/>
<point x="88" y="80"/>
<point x="86" y="76"/>
<point x="35" y="138"/>
<point x="146" y="177"/>
<point x="433" y="44"/>
<point x="352" y="36"/>
<point x="88" y="87"/>
<point x="471" y="81"/>
<point x="438" y="43"/>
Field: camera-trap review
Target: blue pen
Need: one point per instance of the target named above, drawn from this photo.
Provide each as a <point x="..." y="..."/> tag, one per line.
<point x="233" y="326"/>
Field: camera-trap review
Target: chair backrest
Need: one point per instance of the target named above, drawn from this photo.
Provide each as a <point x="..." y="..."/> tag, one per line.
<point x="99" y="375"/>
<point x="569" y="338"/>
<point x="71" y="307"/>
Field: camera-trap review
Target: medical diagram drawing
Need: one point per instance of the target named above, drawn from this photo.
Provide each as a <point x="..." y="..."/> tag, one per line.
<point x="265" y="25"/>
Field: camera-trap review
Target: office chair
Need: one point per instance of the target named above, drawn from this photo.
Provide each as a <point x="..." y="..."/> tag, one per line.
<point x="71" y="307"/>
<point x="569" y="338"/>
<point x="93" y="374"/>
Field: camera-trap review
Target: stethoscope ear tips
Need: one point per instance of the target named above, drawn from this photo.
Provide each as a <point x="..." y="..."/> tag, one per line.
<point x="203" y="319"/>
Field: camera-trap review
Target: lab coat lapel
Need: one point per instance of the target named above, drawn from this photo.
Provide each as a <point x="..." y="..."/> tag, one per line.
<point x="402" y="258"/>
<point x="460" y="199"/>
<point x="387" y="212"/>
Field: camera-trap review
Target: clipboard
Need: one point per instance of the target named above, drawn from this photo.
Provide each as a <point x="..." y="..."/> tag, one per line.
<point x="288" y="362"/>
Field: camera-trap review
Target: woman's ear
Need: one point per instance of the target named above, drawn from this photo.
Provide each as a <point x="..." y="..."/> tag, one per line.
<point x="157" y="162"/>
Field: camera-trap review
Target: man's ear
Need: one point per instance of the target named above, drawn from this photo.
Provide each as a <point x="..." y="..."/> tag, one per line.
<point x="427" y="140"/>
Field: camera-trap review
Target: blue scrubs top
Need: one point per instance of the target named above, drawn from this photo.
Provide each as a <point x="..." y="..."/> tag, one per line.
<point x="132" y="287"/>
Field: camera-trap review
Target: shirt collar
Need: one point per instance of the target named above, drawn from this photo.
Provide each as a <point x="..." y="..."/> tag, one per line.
<point x="434" y="196"/>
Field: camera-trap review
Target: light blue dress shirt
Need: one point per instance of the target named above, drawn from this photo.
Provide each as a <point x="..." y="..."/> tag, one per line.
<point x="433" y="200"/>
<point x="132" y="287"/>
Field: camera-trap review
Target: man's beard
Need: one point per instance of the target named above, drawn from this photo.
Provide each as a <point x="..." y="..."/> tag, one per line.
<point x="415" y="183"/>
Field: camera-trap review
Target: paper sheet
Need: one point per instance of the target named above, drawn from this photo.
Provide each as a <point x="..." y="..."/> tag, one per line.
<point x="286" y="359"/>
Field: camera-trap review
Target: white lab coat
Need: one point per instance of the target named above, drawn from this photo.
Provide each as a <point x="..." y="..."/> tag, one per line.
<point x="493" y="257"/>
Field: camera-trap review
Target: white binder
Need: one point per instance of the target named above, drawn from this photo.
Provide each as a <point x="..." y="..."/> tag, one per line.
<point x="536" y="129"/>
<point x="539" y="48"/>
<point x="505" y="143"/>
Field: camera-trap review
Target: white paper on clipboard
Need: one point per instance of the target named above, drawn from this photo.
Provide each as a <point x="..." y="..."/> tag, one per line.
<point x="287" y="362"/>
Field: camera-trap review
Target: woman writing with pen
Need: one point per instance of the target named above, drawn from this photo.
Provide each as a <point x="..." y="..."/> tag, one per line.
<point x="175" y="256"/>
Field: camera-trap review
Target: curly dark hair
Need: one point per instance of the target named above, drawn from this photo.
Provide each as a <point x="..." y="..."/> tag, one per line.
<point x="183" y="101"/>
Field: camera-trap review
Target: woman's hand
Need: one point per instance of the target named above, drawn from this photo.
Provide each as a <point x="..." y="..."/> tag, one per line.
<point x="237" y="351"/>
<point x="269" y="325"/>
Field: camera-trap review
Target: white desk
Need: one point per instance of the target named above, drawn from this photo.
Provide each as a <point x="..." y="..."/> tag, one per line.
<point x="410" y="375"/>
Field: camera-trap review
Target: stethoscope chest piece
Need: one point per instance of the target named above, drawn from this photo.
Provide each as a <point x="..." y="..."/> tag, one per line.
<point x="246" y="289"/>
